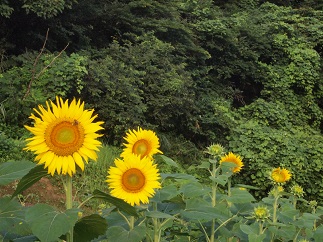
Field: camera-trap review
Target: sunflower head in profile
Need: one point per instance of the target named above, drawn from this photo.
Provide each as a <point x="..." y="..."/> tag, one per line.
<point x="280" y="175"/>
<point x="144" y="143"/>
<point x="235" y="159"/>
<point x="64" y="136"/>
<point x="133" y="179"/>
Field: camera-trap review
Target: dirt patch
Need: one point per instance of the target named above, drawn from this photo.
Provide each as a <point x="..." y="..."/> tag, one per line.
<point x="46" y="190"/>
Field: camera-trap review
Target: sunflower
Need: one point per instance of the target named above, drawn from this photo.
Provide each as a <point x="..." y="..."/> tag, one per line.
<point x="144" y="143"/>
<point x="234" y="159"/>
<point x="133" y="179"/>
<point x="64" y="136"/>
<point x="280" y="175"/>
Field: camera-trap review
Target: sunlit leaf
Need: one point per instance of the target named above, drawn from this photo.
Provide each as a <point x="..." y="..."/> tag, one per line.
<point x="48" y="224"/>
<point x="118" y="233"/>
<point x="14" y="170"/>
<point x="194" y="189"/>
<point x="33" y="176"/>
<point x="89" y="228"/>
<point x="169" y="161"/>
<point x="178" y="176"/>
<point x="119" y="203"/>
<point x="240" y="196"/>
<point x="157" y="214"/>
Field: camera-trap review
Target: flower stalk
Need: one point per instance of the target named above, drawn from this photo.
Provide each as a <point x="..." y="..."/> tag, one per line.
<point x="69" y="203"/>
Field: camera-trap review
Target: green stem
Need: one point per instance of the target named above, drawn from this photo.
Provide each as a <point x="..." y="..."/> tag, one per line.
<point x="261" y="228"/>
<point x="69" y="203"/>
<point x="214" y="188"/>
<point x="275" y="206"/>
<point x="132" y="222"/>
<point x="156" y="225"/>
<point x="229" y="187"/>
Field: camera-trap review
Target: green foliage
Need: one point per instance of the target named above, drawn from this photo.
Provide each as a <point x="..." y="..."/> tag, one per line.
<point x="141" y="84"/>
<point x="5" y="9"/>
<point x="264" y="147"/>
<point x="26" y="85"/>
<point x="47" y="9"/>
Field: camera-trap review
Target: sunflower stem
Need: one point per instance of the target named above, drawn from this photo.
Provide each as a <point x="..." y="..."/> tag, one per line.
<point x="214" y="188"/>
<point x="156" y="225"/>
<point x="132" y="222"/>
<point x="69" y="203"/>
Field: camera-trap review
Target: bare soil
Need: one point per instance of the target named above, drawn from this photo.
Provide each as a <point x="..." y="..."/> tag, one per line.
<point x="46" y="190"/>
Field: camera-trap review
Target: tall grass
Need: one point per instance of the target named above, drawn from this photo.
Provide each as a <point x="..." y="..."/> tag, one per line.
<point x="95" y="174"/>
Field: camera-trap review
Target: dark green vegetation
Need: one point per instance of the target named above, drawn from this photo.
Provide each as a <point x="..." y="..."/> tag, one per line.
<point x="243" y="73"/>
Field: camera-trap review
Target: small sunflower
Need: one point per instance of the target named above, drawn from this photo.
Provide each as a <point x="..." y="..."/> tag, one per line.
<point x="234" y="159"/>
<point x="144" y="143"/>
<point x="133" y="179"/>
<point x="215" y="150"/>
<point x="64" y="136"/>
<point x="280" y="175"/>
<point x="297" y="190"/>
<point x="261" y="213"/>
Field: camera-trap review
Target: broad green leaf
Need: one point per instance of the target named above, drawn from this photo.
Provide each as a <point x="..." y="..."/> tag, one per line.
<point x="48" y="224"/>
<point x="169" y="161"/>
<point x="240" y="196"/>
<point x="119" y="203"/>
<point x="256" y="237"/>
<point x="14" y="170"/>
<point x="220" y="179"/>
<point x="117" y="233"/>
<point x="219" y="212"/>
<point x="89" y="228"/>
<point x="250" y="229"/>
<point x="12" y="217"/>
<point x="157" y="214"/>
<point x="248" y="187"/>
<point x="165" y="193"/>
<point x="288" y="231"/>
<point x="178" y="176"/>
<point x="33" y="176"/>
<point x="194" y="189"/>
<point x="318" y="233"/>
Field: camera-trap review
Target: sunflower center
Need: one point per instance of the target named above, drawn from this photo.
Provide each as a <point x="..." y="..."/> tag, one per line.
<point x="141" y="147"/>
<point x="133" y="180"/>
<point x="64" y="137"/>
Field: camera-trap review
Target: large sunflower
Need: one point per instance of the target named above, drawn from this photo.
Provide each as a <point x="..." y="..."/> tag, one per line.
<point x="133" y="179"/>
<point x="234" y="159"/>
<point x="64" y="135"/>
<point x="280" y="175"/>
<point x="144" y="143"/>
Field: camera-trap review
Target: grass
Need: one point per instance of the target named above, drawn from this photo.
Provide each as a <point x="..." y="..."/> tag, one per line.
<point x="95" y="174"/>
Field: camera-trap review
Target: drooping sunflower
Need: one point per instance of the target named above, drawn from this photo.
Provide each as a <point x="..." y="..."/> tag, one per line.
<point x="280" y="175"/>
<point x="64" y="136"/>
<point x="144" y="143"/>
<point x="133" y="179"/>
<point x="236" y="159"/>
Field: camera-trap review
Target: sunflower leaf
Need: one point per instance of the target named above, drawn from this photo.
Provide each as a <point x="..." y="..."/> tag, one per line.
<point x="48" y="224"/>
<point x="119" y="203"/>
<point x="33" y="176"/>
<point x="118" y="233"/>
<point x="169" y="161"/>
<point x="11" y="171"/>
<point x="12" y="218"/>
<point x="89" y="228"/>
